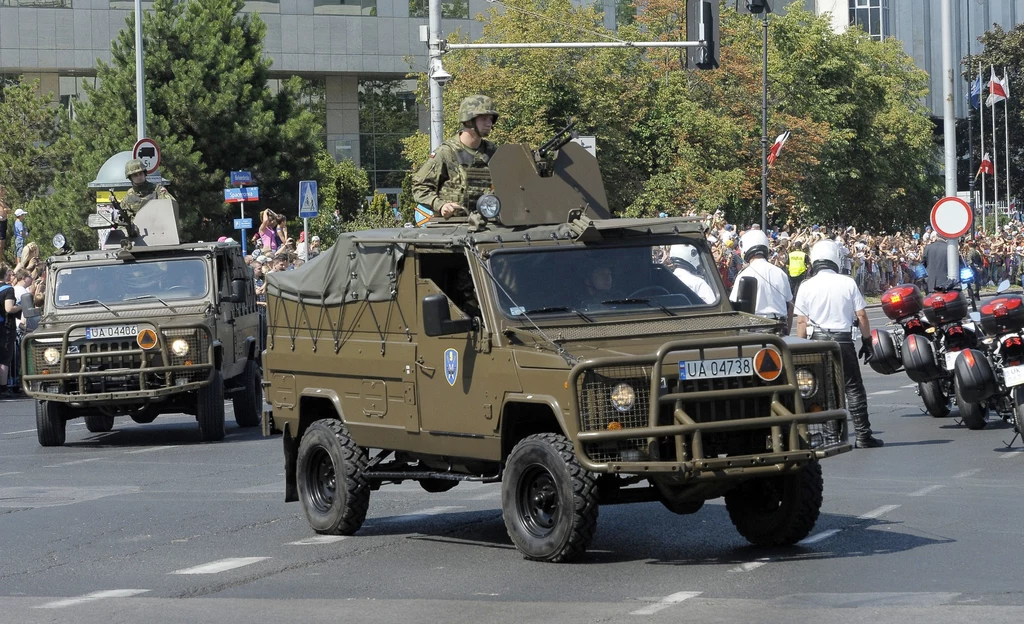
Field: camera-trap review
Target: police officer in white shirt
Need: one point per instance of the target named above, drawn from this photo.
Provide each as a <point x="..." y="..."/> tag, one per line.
<point x="826" y="304"/>
<point x="686" y="265"/>
<point x="774" y="296"/>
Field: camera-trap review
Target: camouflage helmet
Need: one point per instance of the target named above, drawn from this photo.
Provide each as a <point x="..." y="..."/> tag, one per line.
<point x="134" y="166"/>
<point x="476" y="105"/>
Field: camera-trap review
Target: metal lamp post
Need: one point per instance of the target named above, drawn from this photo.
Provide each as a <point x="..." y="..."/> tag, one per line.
<point x="763" y="8"/>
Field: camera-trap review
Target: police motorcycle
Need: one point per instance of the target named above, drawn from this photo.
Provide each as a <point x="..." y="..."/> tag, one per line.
<point x="991" y="377"/>
<point x="926" y="348"/>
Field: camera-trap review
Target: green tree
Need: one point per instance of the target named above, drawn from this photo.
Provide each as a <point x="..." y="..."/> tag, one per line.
<point x="377" y="215"/>
<point x="33" y="146"/>
<point x="209" y="108"/>
<point x="343" y="186"/>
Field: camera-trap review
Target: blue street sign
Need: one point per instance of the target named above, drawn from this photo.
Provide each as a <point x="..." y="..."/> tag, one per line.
<point x="241" y="177"/>
<point x="309" y="203"/>
<point x="244" y="194"/>
<point x="243" y="224"/>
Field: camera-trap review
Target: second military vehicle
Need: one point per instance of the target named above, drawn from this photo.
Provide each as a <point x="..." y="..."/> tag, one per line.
<point x="145" y="326"/>
<point x="541" y="345"/>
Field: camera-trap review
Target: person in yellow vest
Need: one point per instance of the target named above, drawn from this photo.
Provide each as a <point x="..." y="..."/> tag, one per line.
<point x="797" y="265"/>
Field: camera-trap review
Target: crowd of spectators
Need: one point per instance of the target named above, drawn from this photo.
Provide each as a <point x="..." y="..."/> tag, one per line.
<point x="879" y="260"/>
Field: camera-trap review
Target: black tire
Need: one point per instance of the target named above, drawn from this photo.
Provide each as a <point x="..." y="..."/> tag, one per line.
<point x="973" y="415"/>
<point x="549" y="502"/>
<point x="777" y="511"/>
<point x="210" y="409"/>
<point x="935" y="400"/>
<point x="51" y="423"/>
<point x="436" y="486"/>
<point x="99" y="423"/>
<point x="327" y="458"/>
<point x="248" y="402"/>
<point x="1018" y="410"/>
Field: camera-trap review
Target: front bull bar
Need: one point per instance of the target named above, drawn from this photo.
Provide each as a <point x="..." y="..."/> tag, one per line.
<point x="691" y="461"/>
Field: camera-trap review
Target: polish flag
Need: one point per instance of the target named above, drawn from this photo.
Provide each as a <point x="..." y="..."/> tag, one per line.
<point x="997" y="91"/>
<point x="986" y="166"/>
<point x="773" y="152"/>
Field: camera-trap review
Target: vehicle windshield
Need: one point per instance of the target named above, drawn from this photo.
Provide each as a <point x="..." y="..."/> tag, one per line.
<point x="117" y="283"/>
<point x="604" y="280"/>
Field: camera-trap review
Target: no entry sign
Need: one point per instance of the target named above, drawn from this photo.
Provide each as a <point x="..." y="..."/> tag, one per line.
<point x="951" y="217"/>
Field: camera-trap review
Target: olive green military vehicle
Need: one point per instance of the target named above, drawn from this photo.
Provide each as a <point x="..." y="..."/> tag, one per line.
<point x="142" y="327"/>
<point x="545" y="346"/>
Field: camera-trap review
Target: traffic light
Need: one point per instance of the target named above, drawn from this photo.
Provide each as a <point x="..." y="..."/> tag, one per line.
<point x="702" y="25"/>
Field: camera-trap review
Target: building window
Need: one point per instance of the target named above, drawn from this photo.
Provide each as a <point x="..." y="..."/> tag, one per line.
<point x="345" y="7"/>
<point x="38" y="4"/>
<point x="387" y="114"/>
<point x="450" y="9"/>
<point x="261" y="6"/>
<point x="872" y="16"/>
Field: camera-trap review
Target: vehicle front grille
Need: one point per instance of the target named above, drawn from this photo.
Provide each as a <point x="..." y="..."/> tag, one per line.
<point x="830" y="394"/>
<point x="595" y="387"/>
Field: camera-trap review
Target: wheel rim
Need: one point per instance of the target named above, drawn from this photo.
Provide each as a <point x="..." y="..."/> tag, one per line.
<point x="538" y="501"/>
<point x="767" y="499"/>
<point x="321" y="480"/>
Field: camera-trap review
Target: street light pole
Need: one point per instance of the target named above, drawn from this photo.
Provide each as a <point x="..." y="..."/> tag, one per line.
<point x="764" y="122"/>
<point x="140" y="75"/>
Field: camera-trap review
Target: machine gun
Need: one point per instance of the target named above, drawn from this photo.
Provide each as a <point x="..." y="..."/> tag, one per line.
<point x="541" y="155"/>
<point x="122" y="225"/>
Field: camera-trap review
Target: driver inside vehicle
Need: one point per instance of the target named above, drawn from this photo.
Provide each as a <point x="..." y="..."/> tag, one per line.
<point x="599" y="283"/>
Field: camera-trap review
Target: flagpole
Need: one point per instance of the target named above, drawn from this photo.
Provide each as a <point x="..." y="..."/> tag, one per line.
<point x="995" y="158"/>
<point x="1006" y="125"/>
<point x="970" y="126"/>
<point x="981" y="125"/>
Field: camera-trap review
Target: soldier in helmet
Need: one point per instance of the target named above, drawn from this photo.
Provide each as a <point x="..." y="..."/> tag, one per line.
<point x="135" y="171"/>
<point x="456" y="172"/>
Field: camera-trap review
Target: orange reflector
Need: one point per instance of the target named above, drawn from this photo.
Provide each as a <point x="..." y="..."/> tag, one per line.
<point x="46" y="371"/>
<point x="894" y="298"/>
<point x="188" y="362"/>
<point x="614" y="425"/>
<point x="969" y="357"/>
<point x="567" y="385"/>
<point x="146" y="339"/>
<point x="816" y="408"/>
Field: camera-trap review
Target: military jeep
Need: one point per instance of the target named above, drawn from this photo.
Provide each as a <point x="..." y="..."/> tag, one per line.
<point x="548" y="347"/>
<point x="145" y="326"/>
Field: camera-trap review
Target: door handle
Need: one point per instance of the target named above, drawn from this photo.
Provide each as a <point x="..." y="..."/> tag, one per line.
<point x="429" y="370"/>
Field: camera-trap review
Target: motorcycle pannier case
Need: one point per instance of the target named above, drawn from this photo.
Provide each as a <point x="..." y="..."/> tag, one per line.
<point x="919" y="359"/>
<point x="945" y="307"/>
<point x="902" y="301"/>
<point x="975" y="380"/>
<point x="1003" y="315"/>
<point x="885" y="354"/>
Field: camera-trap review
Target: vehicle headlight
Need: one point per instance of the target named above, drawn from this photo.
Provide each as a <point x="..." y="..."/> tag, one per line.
<point x="51" y="355"/>
<point x="622" y="397"/>
<point x="806" y="381"/>
<point x="58" y="241"/>
<point x="179" y="347"/>
<point x="488" y="206"/>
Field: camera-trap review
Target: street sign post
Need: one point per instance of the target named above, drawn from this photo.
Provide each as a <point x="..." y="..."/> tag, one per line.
<point x="243" y="194"/>
<point x="148" y="152"/>
<point x="951" y="218"/>
<point x="309" y="206"/>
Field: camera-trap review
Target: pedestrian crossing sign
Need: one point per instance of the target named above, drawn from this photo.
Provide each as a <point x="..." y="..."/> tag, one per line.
<point x="309" y="205"/>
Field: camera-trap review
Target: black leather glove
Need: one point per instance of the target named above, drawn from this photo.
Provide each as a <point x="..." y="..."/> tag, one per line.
<point x="865" y="349"/>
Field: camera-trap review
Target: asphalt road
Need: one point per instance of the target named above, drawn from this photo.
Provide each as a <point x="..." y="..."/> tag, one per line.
<point x="145" y="524"/>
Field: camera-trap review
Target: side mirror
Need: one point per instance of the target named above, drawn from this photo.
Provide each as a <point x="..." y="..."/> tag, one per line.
<point x="237" y="291"/>
<point x="437" y="319"/>
<point x="1003" y="286"/>
<point x="28" y="308"/>
<point x="746" y="300"/>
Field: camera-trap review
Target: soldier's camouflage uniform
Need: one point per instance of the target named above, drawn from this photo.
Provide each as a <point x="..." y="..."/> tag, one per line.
<point x="148" y="190"/>
<point x="454" y="173"/>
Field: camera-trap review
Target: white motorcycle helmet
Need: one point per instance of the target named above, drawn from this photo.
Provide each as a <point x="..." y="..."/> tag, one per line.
<point x="753" y="242"/>
<point x="685" y="253"/>
<point x="825" y="254"/>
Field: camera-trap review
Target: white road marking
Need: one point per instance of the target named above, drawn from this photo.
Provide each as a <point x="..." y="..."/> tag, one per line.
<point x="100" y="595"/>
<point x="215" y="567"/>
<point x="818" y="537"/>
<point x="881" y="511"/>
<point x="967" y="473"/>
<point x="433" y="511"/>
<point x="73" y="463"/>
<point x="666" y="602"/>
<point x="1012" y="453"/>
<point x="7" y="474"/>
<point x="751" y="565"/>
<point x="913" y="385"/>
<point x="883" y="392"/>
<point x="317" y="539"/>
<point x="147" y="450"/>
<point x="22" y="431"/>
<point x="926" y="490"/>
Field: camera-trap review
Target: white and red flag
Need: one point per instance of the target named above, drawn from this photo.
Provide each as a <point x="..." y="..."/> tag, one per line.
<point x="998" y="90"/>
<point x="773" y="152"/>
<point x="986" y="166"/>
